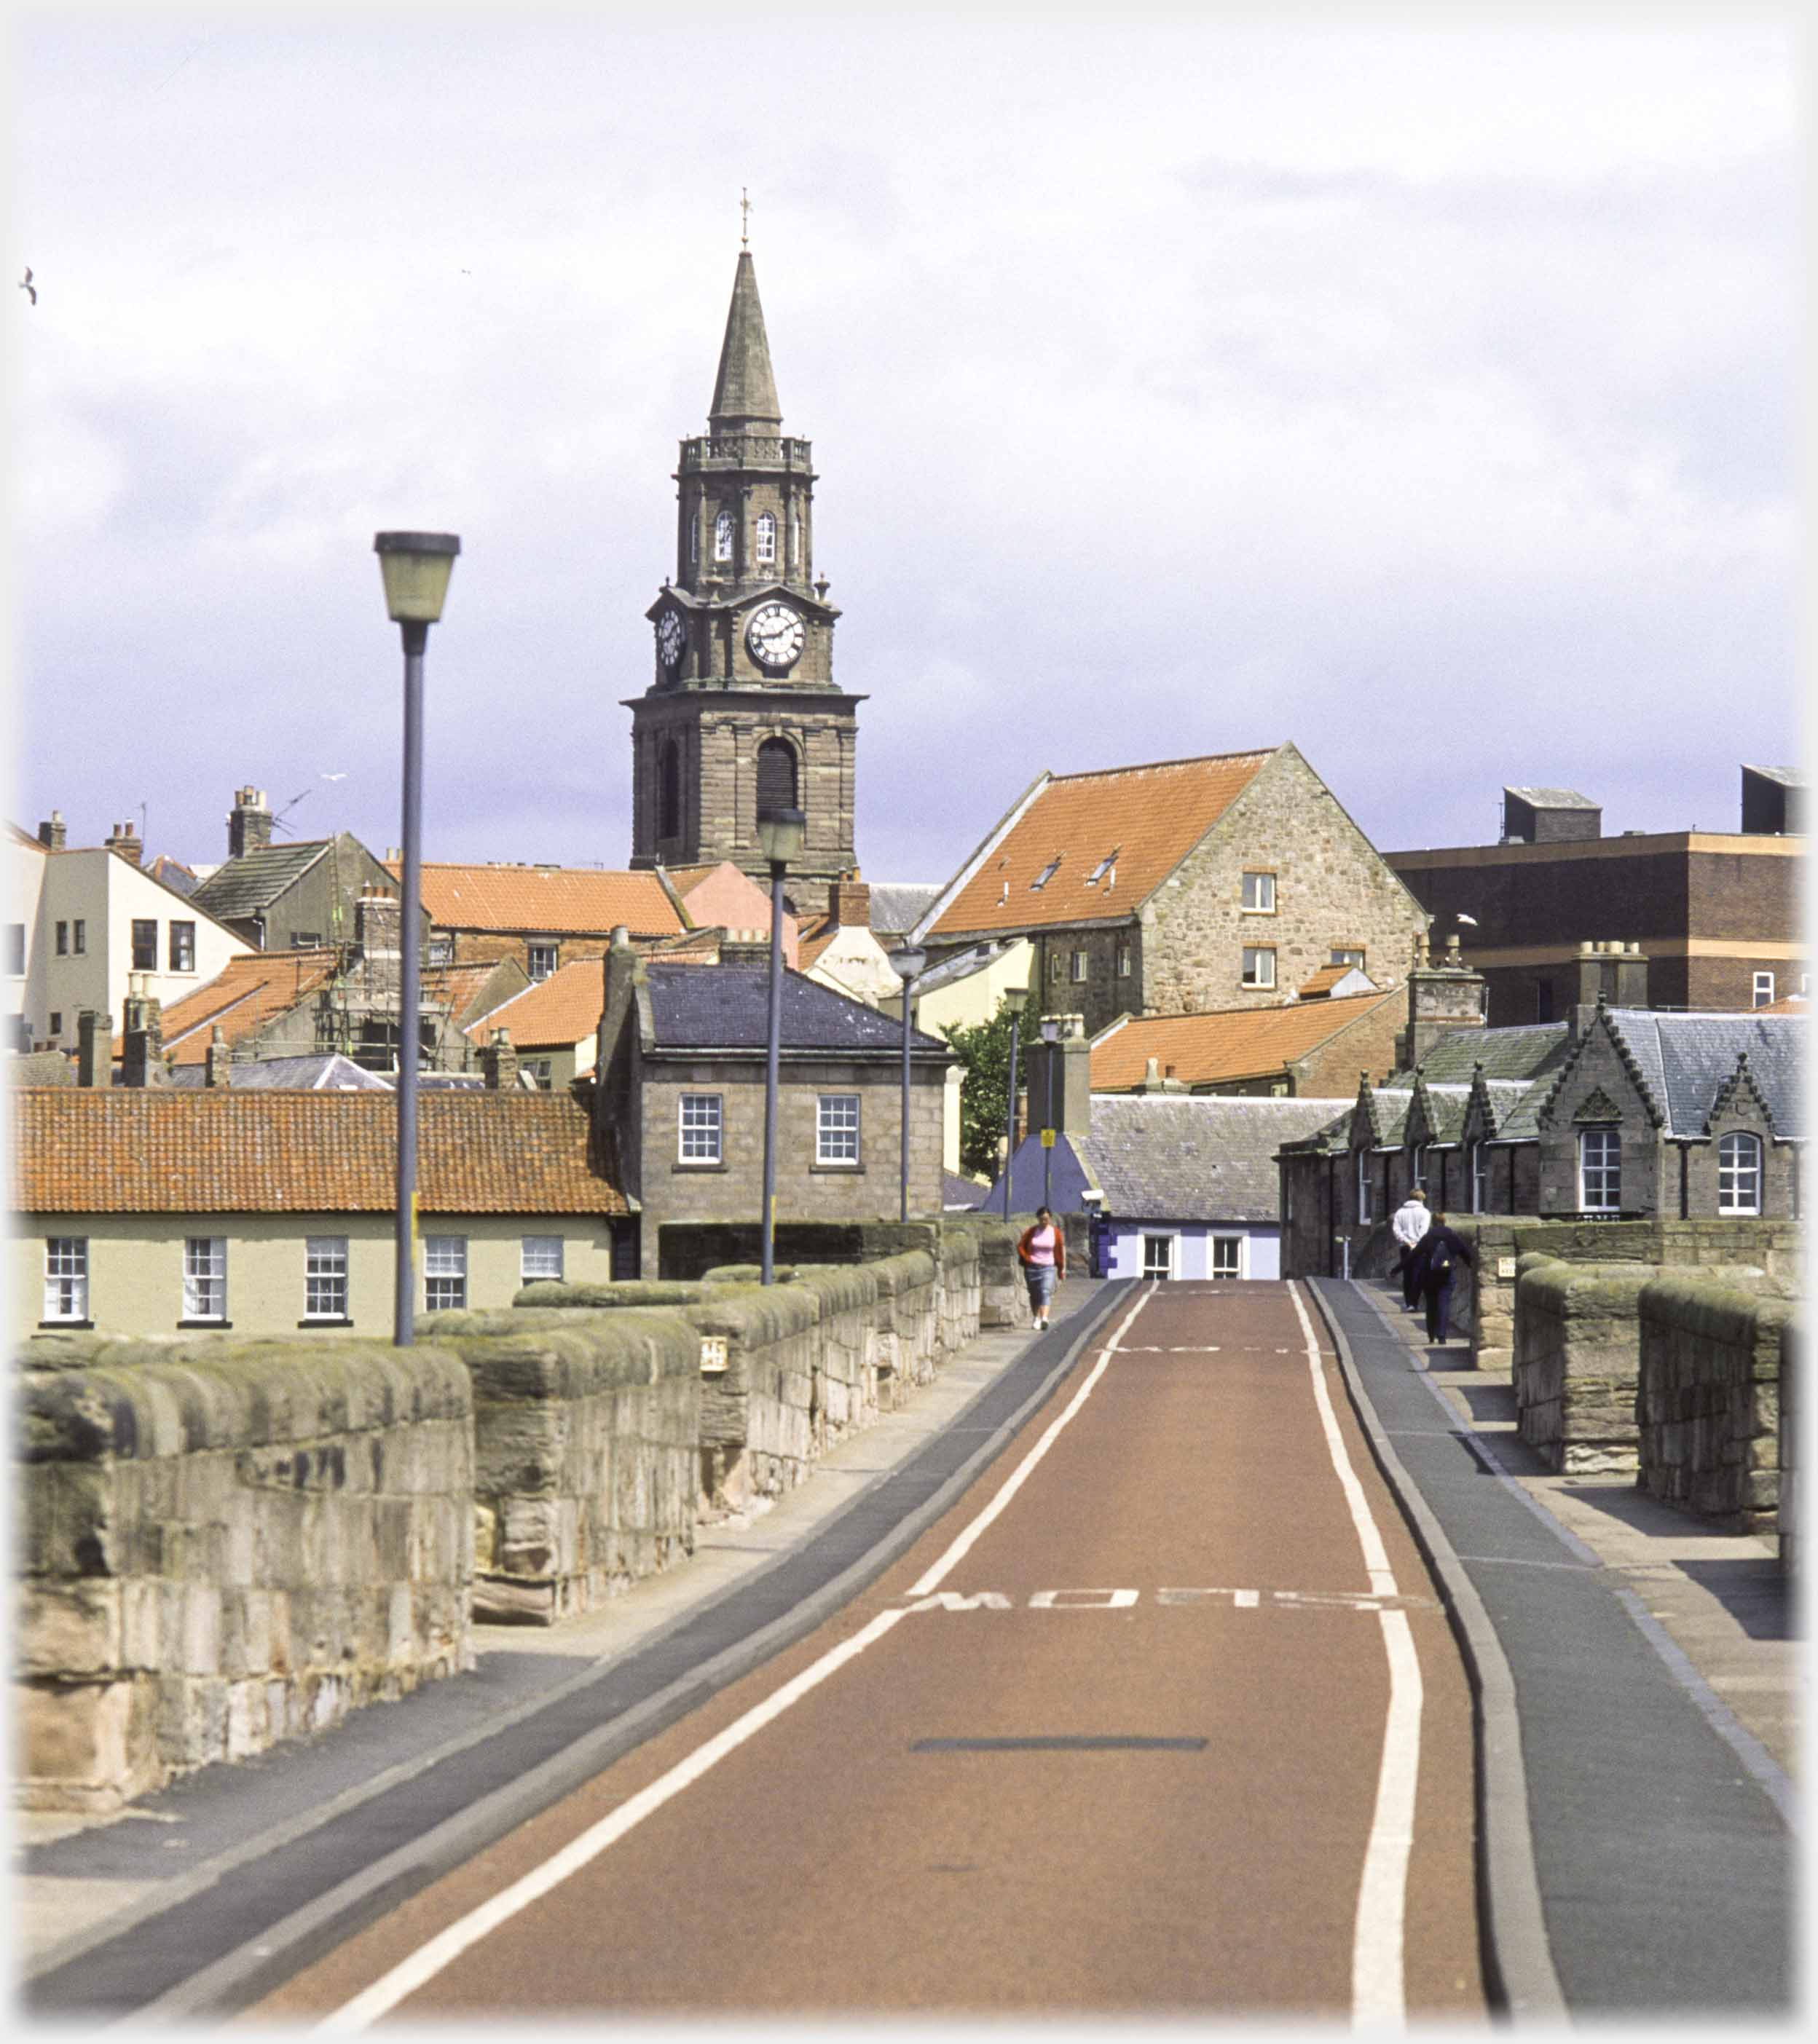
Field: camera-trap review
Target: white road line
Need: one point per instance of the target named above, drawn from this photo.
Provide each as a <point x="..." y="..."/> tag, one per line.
<point x="1378" y="1992"/>
<point x="963" y="1546"/>
<point x="423" y="1964"/>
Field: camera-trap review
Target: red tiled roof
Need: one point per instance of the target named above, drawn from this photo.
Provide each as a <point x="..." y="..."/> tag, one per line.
<point x="1151" y="817"/>
<point x="1231" y="1043"/>
<point x="1328" y="976"/>
<point x="563" y="1008"/>
<point x="551" y="900"/>
<point x="246" y="993"/>
<point x="154" y="1151"/>
<point x="1789" y="1003"/>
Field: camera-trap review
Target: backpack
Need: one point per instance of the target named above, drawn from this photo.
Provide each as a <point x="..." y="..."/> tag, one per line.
<point x="1439" y="1260"/>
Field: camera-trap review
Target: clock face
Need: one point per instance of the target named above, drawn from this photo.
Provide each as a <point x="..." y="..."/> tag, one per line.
<point x="775" y="635"/>
<point x="670" y="637"/>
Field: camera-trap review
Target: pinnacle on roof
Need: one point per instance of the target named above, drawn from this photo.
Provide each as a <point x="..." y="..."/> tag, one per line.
<point x="744" y="392"/>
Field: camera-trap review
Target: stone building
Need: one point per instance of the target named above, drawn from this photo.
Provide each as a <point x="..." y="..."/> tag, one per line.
<point x="1717" y="914"/>
<point x="297" y="896"/>
<point x="679" y="1087"/>
<point x="1192" y="885"/>
<point x="743" y="714"/>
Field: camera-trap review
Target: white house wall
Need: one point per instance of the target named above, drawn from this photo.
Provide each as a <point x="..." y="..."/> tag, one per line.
<point x="1259" y="1258"/>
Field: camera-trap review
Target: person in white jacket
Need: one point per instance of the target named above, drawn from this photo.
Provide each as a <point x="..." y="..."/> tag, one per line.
<point x="1409" y="1222"/>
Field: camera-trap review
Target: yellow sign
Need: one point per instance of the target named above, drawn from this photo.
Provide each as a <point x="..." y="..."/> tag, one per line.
<point x="1048" y="1139"/>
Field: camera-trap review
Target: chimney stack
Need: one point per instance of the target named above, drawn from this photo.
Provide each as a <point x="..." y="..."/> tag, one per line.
<point x="94" y="1049"/>
<point x="377" y="936"/>
<point x="1613" y="973"/>
<point x="142" y="1053"/>
<point x="849" y="902"/>
<point x="125" y="840"/>
<point x="219" y="1061"/>
<point x="53" y="833"/>
<point x="621" y="971"/>
<point x="745" y="947"/>
<point x="248" y="822"/>
<point x="1441" y="998"/>
<point x="498" y="1060"/>
<point x="1071" y="1053"/>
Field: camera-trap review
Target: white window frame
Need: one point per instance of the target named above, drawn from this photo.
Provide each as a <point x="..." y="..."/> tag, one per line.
<point x="700" y="1128"/>
<point x="1739" y="1183"/>
<point x="723" y="535"/>
<point x="1600" y="1165"/>
<point x="1126" y="960"/>
<point x="1763" y="989"/>
<point x="1258" y="899"/>
<point x="547" y="953"/>
<point x="767" y="536"/>
<point x="1171" y="1244"/>
<point x="325" y="1278"/>
<point x="1232" y="1247"/>
<point x="1082" y="967"/>
<point x="1259" y="972"/>
<point x="1363" y="1188"/>
<point x="444" y="1274"/>
<point x="180" y="936"/>
<point x="205" y="1277"/>
<point x="1352" y="955"/>
<point x="1418" y="1167"/>
<point x="66" y="1277"/>
<point x="836" y="1124"/>
<point x="1479" y="1178"/>
<point x="539" y="1259"/>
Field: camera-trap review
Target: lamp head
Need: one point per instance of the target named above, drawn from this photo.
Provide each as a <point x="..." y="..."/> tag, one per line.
<point x="415" y="567"/>
<point x="1050" y="1028"/>
<point x="781" y="833"/>
<point x="908" y="960"/>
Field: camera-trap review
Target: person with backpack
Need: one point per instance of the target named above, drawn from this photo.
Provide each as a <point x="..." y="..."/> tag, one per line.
<point x="1436" y="1258"/>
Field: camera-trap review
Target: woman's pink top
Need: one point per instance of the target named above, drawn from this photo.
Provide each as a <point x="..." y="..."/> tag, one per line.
<point x="1041" y="1248"/>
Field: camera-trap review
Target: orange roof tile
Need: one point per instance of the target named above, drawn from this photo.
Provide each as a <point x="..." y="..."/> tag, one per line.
<point x="1231" y="1043"/>
<point x="1327" y="976"/>
<point x="1788" y="1004"/>
<point x="563" y="1008"/>
<point x="246" y="993"/>
<point x="554" y="900"/>
<point x="1149" y="816"/>
<point x="152" y="1150"/>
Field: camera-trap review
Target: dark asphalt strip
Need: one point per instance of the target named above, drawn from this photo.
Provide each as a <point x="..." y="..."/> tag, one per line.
<point x="227" y="1943"/>
<point x="1666" y="1872"/>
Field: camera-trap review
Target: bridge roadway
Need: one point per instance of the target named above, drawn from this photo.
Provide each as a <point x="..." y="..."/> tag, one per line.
<point x="1162" y="1714"/>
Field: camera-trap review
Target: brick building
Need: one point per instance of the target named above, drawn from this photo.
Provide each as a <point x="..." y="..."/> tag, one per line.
<point x="1189" y="885"/>
<point x="679" y="1084"/>
<point x="1717" y="916"/>
<point x="743" y="714"/>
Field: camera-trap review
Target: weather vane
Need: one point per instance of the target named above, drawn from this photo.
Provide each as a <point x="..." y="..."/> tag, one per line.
<point x="745" y="218"/>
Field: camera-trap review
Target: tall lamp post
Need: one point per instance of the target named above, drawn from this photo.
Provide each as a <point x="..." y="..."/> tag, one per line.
<point x="908" y="960"/>
<point x="1050" y="1036"/>
<point x="1017" y="995"/>
<point x="780" y="835"/>
<point x="415" y="567"/>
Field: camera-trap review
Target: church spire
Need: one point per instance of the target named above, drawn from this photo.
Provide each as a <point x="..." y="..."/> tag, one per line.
<point x="745" y="393"/>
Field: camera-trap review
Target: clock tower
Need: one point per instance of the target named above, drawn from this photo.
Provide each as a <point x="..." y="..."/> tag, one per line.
<point x="742" y="715"/>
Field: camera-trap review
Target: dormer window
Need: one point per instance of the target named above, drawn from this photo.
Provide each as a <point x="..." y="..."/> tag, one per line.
<point x="1047" y="873"/>
<point x="1106" y="869"/>
<point x="723" y="536"/>
<point x="766" y="537"/>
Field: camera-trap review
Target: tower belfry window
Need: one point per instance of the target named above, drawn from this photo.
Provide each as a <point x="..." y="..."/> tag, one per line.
<point x="723" y="536"/>
<point x="766" y="537"/>
<point x="776" y="776"/>
<point x="669" y="790"/>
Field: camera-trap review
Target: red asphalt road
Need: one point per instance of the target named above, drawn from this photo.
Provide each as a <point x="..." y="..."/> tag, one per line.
<point x="836" y="1862"/>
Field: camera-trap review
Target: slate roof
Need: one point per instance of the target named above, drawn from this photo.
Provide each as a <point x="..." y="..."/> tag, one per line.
<point x="248" y="885"/>
<point x="1446" y="1109"/>
<point x="173" y="874"/>
<point x="898" y="905"/>
<point x="727" y="1008"/>
<point x="1066" y="1177"/>
<point x="223" y="1151"/>
<point x="247" y="993"/>
<point x="1553" y="798"/>
<point x="1222" y="1047"/>
<point x="545" y="900"/>
<point x="40" y="1068"/>
<point x="321" y="1071"/>
<point x="1684" y="1058"/>
<point x="959" y="1195"/>
<point x="1522" y="1053"/>
<point x="1151" y="817"/>
<point x="1788" y="777"/>
<point x="564" y="1008"/>
<point x="1175" y="1157"/>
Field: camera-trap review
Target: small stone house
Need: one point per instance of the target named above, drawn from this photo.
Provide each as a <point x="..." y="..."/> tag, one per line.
<point x="1185" y="886"/>
<point x="149" y="1210"/>
<point x="297" y="896"/>
<point x="679" y="1083"/>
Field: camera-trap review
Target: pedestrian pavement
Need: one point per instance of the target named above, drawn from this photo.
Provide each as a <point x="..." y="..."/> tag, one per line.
<point x="1638" y="1679"/>
<point x="83" y="1881"/>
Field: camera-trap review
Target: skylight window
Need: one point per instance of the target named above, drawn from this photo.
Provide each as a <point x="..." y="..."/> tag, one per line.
<point x="1047" y="873"/>
<point x="1106" y="869"/>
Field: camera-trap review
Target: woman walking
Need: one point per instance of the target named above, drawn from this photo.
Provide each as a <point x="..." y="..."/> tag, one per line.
<point x="1042" y="1250"/>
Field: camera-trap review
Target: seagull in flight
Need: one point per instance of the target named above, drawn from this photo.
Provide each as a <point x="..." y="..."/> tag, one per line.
<point x="28" y="286"/>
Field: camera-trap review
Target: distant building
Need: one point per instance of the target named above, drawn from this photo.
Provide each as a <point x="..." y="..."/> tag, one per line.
<point x="1716" y="915"/>
<point x="1186" y="885"/>
<point x="296" y="896"/>
<point x="1314" y="1046"/>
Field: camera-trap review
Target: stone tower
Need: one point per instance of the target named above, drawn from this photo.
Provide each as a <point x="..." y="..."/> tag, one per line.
<point x="743" y="714"/>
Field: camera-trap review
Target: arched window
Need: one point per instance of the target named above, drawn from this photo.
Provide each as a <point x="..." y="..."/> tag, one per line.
<point x="1738" y="1174"/>
<point x="766" y="537"/>
<point x="776" y="777"/>
<point x="723" y="536"/>
<point x="669" y="790"/>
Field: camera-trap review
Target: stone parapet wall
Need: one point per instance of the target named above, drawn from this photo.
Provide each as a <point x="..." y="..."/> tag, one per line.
<point x="585" y="1431"/>
<point x="224" y="1544"/>
<point x="1707" y="1399"/>
<point x="1577" y="1359"/>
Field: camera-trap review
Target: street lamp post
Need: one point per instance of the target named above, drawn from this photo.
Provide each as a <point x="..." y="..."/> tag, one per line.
<point x="1010" y="1108"/>
<point x="908" y="960"/>
<point x="415" y="567"/>
<point x="780" y="835"/>
<point x="1050" y="1036"/>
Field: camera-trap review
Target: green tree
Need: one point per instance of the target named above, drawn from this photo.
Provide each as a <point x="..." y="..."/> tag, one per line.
<point x="984" y="1050"/>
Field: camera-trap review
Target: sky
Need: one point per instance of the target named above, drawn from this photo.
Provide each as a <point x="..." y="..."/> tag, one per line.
<point x="1416" y="385"/>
